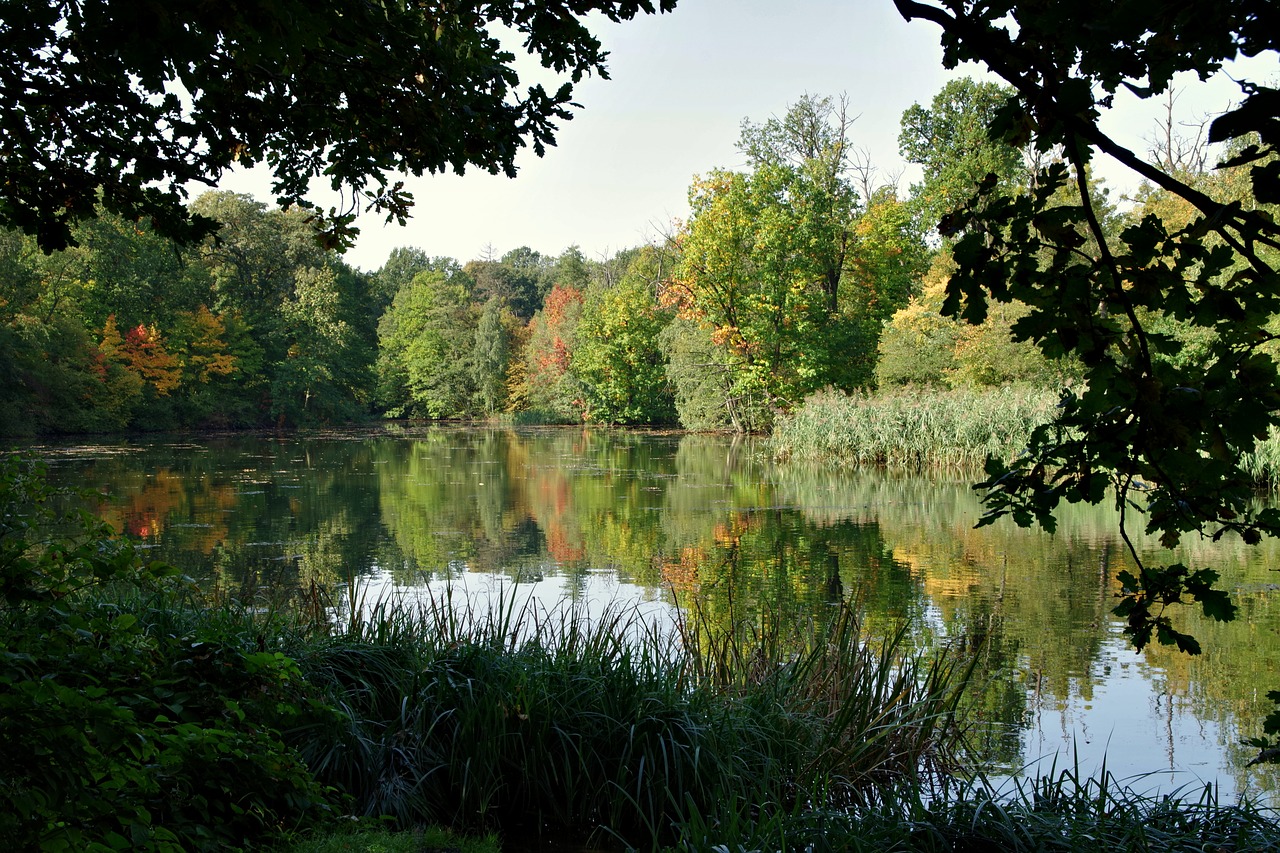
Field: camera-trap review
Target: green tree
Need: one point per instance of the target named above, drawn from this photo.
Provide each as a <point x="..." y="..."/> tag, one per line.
<point x="427" y="339"/>
<point x="325" y="374"/>
<point x="950" y="141"/>
<point x="703" y="381"/>
<point x="921" y="345"/>
<point x="571" y="270"/>
<point x="489" y="358"/>
<point x="346" y="91"/>
<point x="306" y="311"/>
<point x="791" y="269"/>
<point x="811" y="142"/>
<point x="744" y="271"/>
<point x="918" y="344"/>
<point x="617" y="358"/>
<point x="1161" y="438"/>
<point x="399" y="269"/>
<point x="515" y="278"/>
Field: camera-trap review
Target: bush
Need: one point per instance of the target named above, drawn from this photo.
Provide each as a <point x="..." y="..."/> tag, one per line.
<point x="116" y="737"/>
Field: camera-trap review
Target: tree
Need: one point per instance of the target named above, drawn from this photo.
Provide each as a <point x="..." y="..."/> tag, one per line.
<point x="121" y="104"/>
<point x="617" y="358"/>
<point x="549" y="386"/>
<point x="1166" y="440"/>
<point x="401" y="266"/>
<point x="746" y="272"/>
<point x="489" y="358"/>
<point x="306" y="311"/>
<point x="426" y="342"/>
<point x="323" y="376"/>
<point x="793" y="271"/>
<point x="514" y="278"/>
<point x="570" y="270"/>
<point x="813" y="141"/>
<point x="703" y="382"/>
<point x="950" y="141"/>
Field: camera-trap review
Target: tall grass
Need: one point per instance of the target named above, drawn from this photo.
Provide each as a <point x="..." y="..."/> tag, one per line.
<point x="545" y="722"/>
<point x="1060" y="811"/>
<point x="913" y="428"/>
<point x="1263" y="464"/>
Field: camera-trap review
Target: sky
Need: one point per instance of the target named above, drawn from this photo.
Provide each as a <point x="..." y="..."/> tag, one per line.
<point x="682" y="83"/>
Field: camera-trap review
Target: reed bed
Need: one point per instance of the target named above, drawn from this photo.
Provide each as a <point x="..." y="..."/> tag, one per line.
<point x="913" y="429"/>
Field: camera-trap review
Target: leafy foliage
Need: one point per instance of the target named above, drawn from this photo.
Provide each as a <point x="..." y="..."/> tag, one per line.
<point x="122" y="105"/>
<point x="1167" y="439"/>
<point x="427" y="338"/>
<point x="617" y="357"/>
<point x="549" y="385"/>
<point x="790" y="268"/>
<point x="114" y="737"/>
<point x="950" y="140"/>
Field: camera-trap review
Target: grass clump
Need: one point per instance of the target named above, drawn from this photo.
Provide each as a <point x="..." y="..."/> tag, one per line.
<point x="1063" y="811"/>
<point x="545" y="723"/>
<point x="1263" y="464"/>
<point x="913" y="429"/>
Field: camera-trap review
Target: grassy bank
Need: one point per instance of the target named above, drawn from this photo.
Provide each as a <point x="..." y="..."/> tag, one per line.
<point x="913" y="429"/>
<point x="542" y="724"/>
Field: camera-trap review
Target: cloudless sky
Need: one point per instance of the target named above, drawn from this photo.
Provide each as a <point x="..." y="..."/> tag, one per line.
<point x="681" y="85"/>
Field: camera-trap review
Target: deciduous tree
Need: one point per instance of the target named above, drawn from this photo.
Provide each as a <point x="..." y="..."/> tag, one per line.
<point x="617" y="356"/>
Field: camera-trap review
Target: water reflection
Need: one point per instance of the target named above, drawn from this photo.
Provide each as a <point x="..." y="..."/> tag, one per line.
<point x="703" y="524"/>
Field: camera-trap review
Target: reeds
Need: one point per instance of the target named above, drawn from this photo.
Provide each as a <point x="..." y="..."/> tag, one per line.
<point x="1263" y="464"/>
<point x="546" y="722"/>
<point x="1060" y="811"/>
<point x="914" y="429"/>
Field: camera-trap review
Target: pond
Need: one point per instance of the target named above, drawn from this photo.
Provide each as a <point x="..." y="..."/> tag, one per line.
<point x="681" y="524"/>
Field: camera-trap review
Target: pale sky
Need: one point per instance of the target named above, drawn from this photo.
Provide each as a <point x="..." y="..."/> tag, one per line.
<point x="681" y="85"/>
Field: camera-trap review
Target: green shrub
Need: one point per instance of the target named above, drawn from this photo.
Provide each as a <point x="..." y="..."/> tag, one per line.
<point x="116" y="737"/>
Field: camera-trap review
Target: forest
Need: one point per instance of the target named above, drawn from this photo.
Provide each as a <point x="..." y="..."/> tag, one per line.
<point x="807" y="272"/>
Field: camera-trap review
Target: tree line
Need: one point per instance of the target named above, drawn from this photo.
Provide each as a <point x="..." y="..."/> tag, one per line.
<point x="802" y="272"/>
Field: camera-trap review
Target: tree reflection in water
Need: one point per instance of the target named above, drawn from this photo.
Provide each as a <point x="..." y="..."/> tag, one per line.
<point x="702" y="522"/>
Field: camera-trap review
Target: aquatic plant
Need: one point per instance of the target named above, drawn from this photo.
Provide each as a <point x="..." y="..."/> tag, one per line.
<point x="916" y="428"/>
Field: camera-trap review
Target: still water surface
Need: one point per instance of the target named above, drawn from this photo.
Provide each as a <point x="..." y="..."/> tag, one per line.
<point x="673" y="523"/>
